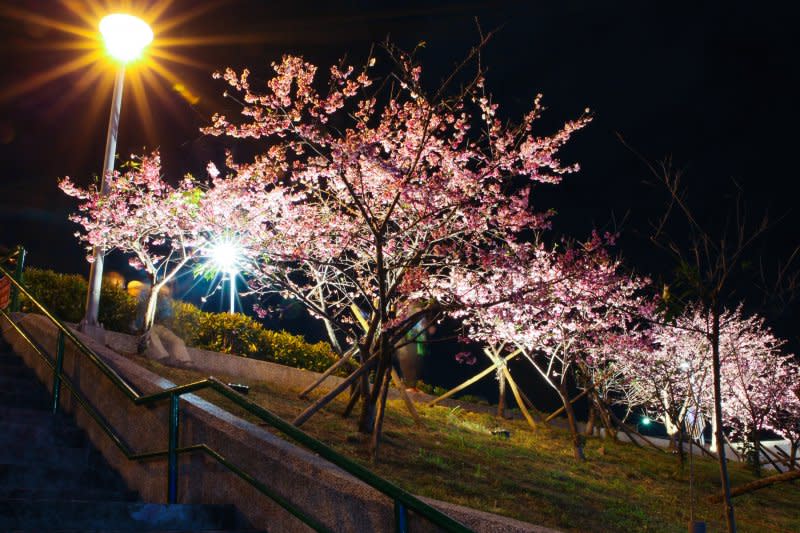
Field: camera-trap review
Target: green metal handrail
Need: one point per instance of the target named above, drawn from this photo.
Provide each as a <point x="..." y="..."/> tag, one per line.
<point x="403" y="501"/>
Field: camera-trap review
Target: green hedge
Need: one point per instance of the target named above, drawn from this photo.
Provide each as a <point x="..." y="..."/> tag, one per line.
<point x="241" y="335"/>
<point x="65" y="296"/>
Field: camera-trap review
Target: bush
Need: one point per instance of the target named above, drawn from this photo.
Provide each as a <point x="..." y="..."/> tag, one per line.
<point x="241" y="335"/>
<point x="64" y="295"/>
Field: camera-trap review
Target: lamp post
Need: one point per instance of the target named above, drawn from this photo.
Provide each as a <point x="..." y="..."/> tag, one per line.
<point x="125" y="37"/>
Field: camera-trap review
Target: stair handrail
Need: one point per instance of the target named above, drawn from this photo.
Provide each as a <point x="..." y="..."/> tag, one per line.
<point x="403" y="500"/>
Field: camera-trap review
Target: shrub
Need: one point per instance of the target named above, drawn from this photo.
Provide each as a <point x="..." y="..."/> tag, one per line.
<point x="241" y="335"/>
<point x="64" y="295"/>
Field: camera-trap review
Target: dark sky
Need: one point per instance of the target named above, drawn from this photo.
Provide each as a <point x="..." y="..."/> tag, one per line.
<point x="714" y="87"/>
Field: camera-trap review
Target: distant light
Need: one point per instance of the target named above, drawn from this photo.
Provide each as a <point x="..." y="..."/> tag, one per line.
<point x="226" y="256"/>
<point x="125" y="36"/>
<point x="646" y="420"/>
<point x="684" y="366"/>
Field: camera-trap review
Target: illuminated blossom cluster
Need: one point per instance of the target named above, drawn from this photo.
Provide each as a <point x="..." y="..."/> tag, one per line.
<point x="569" y="311"/>
<point x="143" y="215"/>
<point x="673" y="378"/>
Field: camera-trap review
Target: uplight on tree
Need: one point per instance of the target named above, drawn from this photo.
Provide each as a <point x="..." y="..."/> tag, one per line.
<point x="125" y="36"/>
<point x="225" y="255"/>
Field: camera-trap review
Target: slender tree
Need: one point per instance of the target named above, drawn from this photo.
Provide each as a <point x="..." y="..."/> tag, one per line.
<point x="143" y="215"/>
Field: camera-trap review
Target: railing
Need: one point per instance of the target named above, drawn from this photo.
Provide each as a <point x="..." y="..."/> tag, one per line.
<point x="403" y="501"/>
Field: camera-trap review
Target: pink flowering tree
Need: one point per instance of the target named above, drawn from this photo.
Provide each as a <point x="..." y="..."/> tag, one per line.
<point x="142" y="215"/>
<point x="576" y="305"/>
<point x="758" y="379"/>
<point x="673" y="380"/>
<point x="670" y="377"/>
<point x="380" y="192"/>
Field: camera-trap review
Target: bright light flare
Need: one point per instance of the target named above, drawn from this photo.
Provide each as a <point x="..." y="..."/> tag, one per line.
<point x="125" y="36"/>
<point x="226" y="256"/>
<point x="646" y="420"/>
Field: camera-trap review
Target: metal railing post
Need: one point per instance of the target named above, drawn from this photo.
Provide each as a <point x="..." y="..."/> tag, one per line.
<point x="57" y="370"/>
<point x="172" y="456"/>
<point x="400" y="517"/>
<point x="14" y="306"/>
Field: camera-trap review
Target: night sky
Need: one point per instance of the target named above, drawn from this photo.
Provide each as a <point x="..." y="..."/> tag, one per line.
<point x="713" y="87"/>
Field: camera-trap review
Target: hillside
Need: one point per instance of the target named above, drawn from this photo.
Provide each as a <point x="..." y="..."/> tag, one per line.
<point x="532" y="476"/>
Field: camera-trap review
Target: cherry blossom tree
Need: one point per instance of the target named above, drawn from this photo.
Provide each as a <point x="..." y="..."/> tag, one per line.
<point x="378" y="193"/>
<point x="143" y="215"/>
<point x="757" y="379"/>
<point x="670" y="377"/>
<point x="578" y="305"/>
<point x="673" y="379"/>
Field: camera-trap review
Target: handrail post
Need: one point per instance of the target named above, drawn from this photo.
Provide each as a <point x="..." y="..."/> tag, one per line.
<point x="14" y="307"/>
<point x="400" y="517"/>
<point x="172" y="457"/>
<point x="57" y="370"/>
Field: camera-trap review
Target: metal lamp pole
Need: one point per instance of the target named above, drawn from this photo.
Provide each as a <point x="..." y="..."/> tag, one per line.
<point x="232" y="278"/>
<point x="96" y="270"/>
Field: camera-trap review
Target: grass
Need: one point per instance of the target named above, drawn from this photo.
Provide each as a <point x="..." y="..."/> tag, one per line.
<point x="530" y="476"/>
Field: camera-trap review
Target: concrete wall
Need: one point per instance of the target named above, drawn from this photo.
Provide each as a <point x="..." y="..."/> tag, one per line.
<point x="340" y="501"/>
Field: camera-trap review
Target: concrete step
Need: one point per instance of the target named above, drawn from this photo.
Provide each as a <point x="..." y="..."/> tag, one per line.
<point x="64" y="476"/>
<point x="70" y="494"/>
<point x="28" y="399"/>
<point x="9" y="358"/>
<point x="20" y="453"/>
<point x="32" y="416"/>
<point x="11" y="369"/>
<point x="122" y="516"/>
<point x="21" y="383"/>
<point x="40" y="436"/>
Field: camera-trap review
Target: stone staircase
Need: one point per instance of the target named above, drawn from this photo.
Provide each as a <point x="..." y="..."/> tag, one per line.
<point x="52" y="479"/>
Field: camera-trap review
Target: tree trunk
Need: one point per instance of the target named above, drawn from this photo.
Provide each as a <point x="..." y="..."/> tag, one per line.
<point x="730" y="518"/>
<point x="501" y="399"/>
<point x="577" y="438"/>
<point x="381" y="411"/>
<point x="366" y="419"/>
<point x="681" y="454"/>
<point x="756" y="455"/>
<point x="152" y="306"/>
<point x="591" y="421"/>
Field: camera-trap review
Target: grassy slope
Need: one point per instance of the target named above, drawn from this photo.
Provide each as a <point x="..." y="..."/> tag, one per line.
<point x="532" y="476"/>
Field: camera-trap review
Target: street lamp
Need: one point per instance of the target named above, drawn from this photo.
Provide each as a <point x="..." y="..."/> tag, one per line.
<point x="226" y="257"/>
<point x="125" y="37"/>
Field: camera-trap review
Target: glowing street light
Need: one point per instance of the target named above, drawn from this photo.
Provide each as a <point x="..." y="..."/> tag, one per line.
<point x="226" y="257"/>
<point x="125" y="37"/>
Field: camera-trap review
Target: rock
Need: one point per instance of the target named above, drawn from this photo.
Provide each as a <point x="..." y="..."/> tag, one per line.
<point x="174" y="345"/>
<point x="155" y="348"/>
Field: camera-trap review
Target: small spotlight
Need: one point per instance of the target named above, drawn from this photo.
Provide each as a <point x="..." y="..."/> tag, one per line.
<point x="646" y="420"/>
<point x="225" y="256"/>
